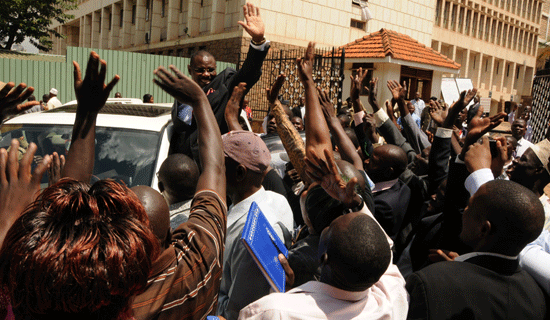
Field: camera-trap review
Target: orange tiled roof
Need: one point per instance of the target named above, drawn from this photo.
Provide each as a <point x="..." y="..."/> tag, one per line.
<point x="384" y="43"/>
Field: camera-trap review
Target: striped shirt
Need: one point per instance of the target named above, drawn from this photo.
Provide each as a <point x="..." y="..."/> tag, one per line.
<point x="186" y="277"/>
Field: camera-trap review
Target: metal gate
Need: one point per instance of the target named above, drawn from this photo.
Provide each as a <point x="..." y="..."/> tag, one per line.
<point x="328" y="73"/>
<point x="540" y="116"/>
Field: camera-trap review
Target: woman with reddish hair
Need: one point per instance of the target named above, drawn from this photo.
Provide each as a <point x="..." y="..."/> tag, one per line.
<point x="78" y="252"/>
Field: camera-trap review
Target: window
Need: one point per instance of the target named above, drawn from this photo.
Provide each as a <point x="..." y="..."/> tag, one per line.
<point x="121" y="17"/>
<point x="163" y="8"/>
<point x="134" y="14"/>
<point x="358" y="24"/>
<point x="507" y="71"/>
<point x="467" y="22"/>
<point x="517" y="73"/>
<point x="147" y="7"/>
<point x="181" y="5"/>
<point x="100" y="26"/>
<point x="110" y="20"/>
<point x="438" y="12"/>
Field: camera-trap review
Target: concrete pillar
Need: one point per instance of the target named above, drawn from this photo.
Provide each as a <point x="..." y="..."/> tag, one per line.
<point x="466" y="66"/>
<point x="479" y="70"/>
<point x="126" y="35"/>
<point x="441" y="12"/>
<point x="513" y="80"/>
<point x="96" y="16"/>
<point x="453" y="53"/>
<point x="173" y="13"/>
<point x="156" y="21"/>
<point x="104" y="38"/>
<point x="87" y="31"/>
<point x="218" y="14"/>
<point x="114" y="42"/>
<point x="503" y="74"/>
<point x="439" y="46"/>
<point x="193" y="17"/>
<point x="139" y="27"/>
<point x="492" y="71"/>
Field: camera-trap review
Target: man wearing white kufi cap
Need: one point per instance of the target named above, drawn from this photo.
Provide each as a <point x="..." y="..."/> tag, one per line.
<point x="53" y="102"/>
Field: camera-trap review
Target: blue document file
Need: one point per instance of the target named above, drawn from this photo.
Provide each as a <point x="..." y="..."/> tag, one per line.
<point x="264" y="245"/>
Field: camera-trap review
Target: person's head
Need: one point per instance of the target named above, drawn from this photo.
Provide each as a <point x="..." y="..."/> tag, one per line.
<point x="271" y="121"/>
<point x="157" y="211"/>
<point x="298" y="123"/>
<point x="246" y="161"/>
<point x="411" y="107"/>
<point x="526" y="113"/>
<point x="354" y="252"/>
<point x="78" y="252"/>
<point x="502" y="217"/>
<point x="53" y="92"/>
<point x="345" y="120"/>
<point x="31" y="98"/>
<point x="118" y="95"/>
<point x="511" y="145"/>
<point x="519" y="126"/>
<point x="148" y="98"/>
<point x="417" y="96"/>
<point x="386" y="163"/>
<point x="202" y="67"/>
<point x="177" y="178"/>
<point x="531" y="170"/>
<point x="45" y="97"/>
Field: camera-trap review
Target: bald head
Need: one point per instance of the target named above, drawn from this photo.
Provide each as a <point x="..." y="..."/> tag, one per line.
<point x="502" y="217"/>
<point x="178" y="178"/>
<point x="157" y="211"/>
<point x="356" y="252"/>
<point x="387" y="163"/>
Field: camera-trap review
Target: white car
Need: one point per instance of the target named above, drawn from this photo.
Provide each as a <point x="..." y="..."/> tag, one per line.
<point x="132" y="138"/>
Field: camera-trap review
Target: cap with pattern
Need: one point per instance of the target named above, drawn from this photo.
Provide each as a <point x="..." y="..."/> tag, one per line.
<point x="542" y="150"/>
<point x="248" y="149"/>
<point x="53" y="91"/>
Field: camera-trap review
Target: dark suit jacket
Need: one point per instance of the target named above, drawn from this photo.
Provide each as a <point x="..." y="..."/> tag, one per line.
<point x="482" y="287"/>
<point x="185" y="137"/>
<point x="390" y="206"/>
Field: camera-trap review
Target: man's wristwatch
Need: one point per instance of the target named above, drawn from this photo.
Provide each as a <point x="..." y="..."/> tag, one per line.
<point x="356" y="208"/>
<point x="258" y="43"/>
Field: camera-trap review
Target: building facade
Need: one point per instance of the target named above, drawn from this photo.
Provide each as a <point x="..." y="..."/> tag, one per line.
<point x="494" y="41"/>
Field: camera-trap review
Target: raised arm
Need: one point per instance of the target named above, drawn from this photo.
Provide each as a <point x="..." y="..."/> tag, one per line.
<point x="345" y="146"/>
<point x="356" y="84"/>
<point x="18" y="185"/>
<point x="211" y="155"/>
<point x="91" y="94"/>
<point x="317" y="133"/>
<point x="233" y="108"/>
<point x="11" y="101"/>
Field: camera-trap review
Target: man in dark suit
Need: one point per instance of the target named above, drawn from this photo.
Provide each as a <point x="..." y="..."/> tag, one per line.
<point x="218" y="87"/>
<point x="501" y="219"/>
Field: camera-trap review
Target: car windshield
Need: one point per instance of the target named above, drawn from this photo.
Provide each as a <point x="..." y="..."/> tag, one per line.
<point x="121" y="154"/>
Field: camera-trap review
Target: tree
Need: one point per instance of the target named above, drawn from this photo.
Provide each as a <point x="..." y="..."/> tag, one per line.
<point x="32" y="18"/>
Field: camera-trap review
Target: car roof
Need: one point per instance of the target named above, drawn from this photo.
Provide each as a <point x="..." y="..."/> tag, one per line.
<point x="151" y="117"/>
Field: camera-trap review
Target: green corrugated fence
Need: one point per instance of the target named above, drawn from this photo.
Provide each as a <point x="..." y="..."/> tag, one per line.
<point x="135" y="71"/>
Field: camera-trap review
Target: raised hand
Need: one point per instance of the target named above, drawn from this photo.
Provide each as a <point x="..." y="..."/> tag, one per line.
<point x="478" y="156"/>
<point x="437" y="113"/>
<point x="478" y="126"/>
<point x="357" y="83"/>
<point x="92" y="92"/>
<point x="399" y="92"/>
<point x="253" y="23"/>
<point x="305" y="64"/>
<point x="326" y="174"/>
<point x="18" y="185"/>
<point x="453" y="112"/>
<point x="11" y="101"/>
<point x="233" y="108"/>
<point x="370" y="128"/>
<point x="178" y="85"/>
<point x="273" y="92"/>
<point x="326" y="104"/>
<point x="372" y="90"/>
<point x="501" y="157"/>
<point x="55" y="168"/>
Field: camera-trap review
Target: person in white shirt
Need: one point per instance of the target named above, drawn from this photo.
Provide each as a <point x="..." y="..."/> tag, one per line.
<point x="418" y="104"/>
<point x="519" y="127"/>
<point x="53" y="102"/>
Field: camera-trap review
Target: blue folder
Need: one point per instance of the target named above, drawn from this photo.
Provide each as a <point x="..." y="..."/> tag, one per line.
<point x="264" y="245"/>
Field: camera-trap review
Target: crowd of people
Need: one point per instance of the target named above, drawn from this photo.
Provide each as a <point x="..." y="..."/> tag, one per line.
<point x="382" y="219"/>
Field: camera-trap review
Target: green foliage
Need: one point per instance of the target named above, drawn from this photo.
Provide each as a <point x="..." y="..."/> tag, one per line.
<point x="32" y="18"/>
